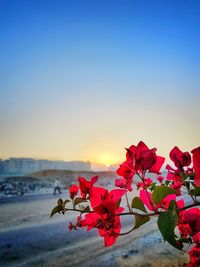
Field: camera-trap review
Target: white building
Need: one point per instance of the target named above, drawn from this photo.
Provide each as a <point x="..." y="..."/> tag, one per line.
<point x="29" y="165"/>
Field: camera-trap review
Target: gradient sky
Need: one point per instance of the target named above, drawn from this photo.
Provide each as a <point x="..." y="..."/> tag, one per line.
<point x="81" y="80"/>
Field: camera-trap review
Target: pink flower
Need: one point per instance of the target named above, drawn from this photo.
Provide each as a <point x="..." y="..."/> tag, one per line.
<point x="160" y="179"/>
<point x="147" y="199"/>
<point x="194" y="254"/>
<point x="86" y="186"/>
<point x="180" y="159"/>
<point x="71" y="226"/>
<point x="127" y="172"/>
<point x="177" y="186"/>
<point x="196" y="165"/>
<point x="73" y="190"/>
<point x="143" y="158"/>
<point x="189" y="223"/>
<point x="106" y="206"/>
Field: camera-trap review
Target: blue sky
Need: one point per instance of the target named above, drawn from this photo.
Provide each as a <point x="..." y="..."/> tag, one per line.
<point x="84" y="79"/>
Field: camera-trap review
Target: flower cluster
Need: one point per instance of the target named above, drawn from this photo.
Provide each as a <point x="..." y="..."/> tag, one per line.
<point x="164" y="196"/>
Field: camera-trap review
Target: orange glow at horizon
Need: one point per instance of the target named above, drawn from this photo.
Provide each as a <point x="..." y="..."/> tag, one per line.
<point x="107" y="159"/>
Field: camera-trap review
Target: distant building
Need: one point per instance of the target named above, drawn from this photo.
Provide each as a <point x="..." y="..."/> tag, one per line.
<point x="29" y="165"/>
<point x="1" y="166"/>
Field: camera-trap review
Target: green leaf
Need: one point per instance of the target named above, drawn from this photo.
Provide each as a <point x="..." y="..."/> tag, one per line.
<point x="161" y="192"/>
<point x="79" y="200"/>
<point x="152" y="186"/>
<point x="167" y="222"/>
<point x="195" y="191"/>
<point x="140" y="220"/>
<point x="184" y="240"/>
<point x="138" y="204"/>
<point x="66" y="201"/>
<point x="55" y="210"/>
<point x="60" y="202"/>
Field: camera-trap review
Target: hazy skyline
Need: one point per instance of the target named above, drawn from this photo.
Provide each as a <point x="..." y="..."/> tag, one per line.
<point x="81" y="80"/>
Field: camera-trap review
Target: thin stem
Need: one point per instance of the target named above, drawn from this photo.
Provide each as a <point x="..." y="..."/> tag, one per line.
<point x="118" y="214"/>
<point x="128" y="205"/>
<point x="82" y="211"/>
<point x="190" y="206"/>
<point x="189" y="192"/>
<point x="138" y="214"/>
<point x="126" y="233"/>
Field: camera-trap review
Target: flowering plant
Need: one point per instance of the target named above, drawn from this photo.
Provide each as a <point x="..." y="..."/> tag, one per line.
<point x="165" y="198"/>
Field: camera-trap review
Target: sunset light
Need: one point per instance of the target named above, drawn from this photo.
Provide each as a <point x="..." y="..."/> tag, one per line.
<point x="107" y="159"/>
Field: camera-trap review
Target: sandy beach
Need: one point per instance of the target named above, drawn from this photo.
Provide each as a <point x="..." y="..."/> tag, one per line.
<point x="28" y="237"/>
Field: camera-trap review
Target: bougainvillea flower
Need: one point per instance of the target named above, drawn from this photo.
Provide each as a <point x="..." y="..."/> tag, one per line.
<point x="196" y="165"/>
<point x="79" y="223"/>
<point x="146" y="183"/>
<point x="73" y="190"/>
<point x="160" y="179"/>
<point x="105" y="205"/>
<point x="192" y="217"/>
<point x="157" y="166"/>
<point x="147" y="199"/>
<point x="180" y="159"/>
<point x="196" y="238"/>
<point x="173" y="175"/>
<point x="124" y="183"/>
<point x="126" y="170"/>
<point x="71" y="226"/>
<point x="108" y="226"/>
<point x="177" y="186"/>
<point x="85" y="185"/>
<point x="139" y="185"/>
<point x="103" y="201"/>
<point x="194" y="254"/>
<point x="189" y="223"/>
<point x="166" y="201"/>
<point x="143" y="158"/>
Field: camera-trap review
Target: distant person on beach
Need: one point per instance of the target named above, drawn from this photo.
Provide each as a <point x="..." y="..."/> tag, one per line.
<point x="57" y="186"/>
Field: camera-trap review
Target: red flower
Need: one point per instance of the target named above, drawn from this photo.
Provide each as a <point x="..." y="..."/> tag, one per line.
<point x="147" y="199"/>
<point x="80" y="223"/>
<point x="73" y="190"/>
<point x="147" y="182"/>
<point x="160" y="179"/>
<point x="196" y="165"/>
<point x="139" y="185"/>
<point x="127" y="172"/>
<point x="106" y="206"/>
<point x="71" y="226"/>
<point x="189" y="223"/>
<point x="103" y="201"/>
<point x="138" y="158"/>
<point x="194" y="254"/>
<point x="124" y="183"/>
<point x="143" y="158"/>
<point x="192" y="217"/>
<point x="173" y="175"/>
<point x="180" y="159"/>
<point x="177" y="186"/>
<point x="108" y="226"/>
<point x="85" y="185"/>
